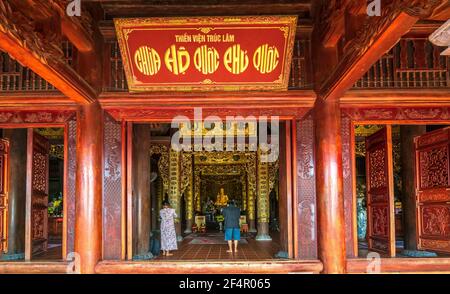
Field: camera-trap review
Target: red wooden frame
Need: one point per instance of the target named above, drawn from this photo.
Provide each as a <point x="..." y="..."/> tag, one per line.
<point x="127" y="220"/>
<point x="52" y="125"/>
<point x="396" y="116"/>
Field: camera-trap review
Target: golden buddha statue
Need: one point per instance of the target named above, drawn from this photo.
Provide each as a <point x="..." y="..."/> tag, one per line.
<point x="222" y="198"/>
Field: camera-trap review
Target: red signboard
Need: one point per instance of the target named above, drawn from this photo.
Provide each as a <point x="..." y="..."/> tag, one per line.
<point x="207" y="53"/>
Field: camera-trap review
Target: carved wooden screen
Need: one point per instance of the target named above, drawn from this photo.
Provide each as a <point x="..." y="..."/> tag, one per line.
<point x="4" y="154"/>
<point x="306" y="190"/>
<point x="433" y="191"/>
<point x="69" y="197"/>
<point x="36" y="233"/>
<point x="380" y="194"/>
<point x="112" y="190"/>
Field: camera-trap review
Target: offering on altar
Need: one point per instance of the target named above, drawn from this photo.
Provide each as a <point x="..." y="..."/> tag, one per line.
<point x="222" y="198"/>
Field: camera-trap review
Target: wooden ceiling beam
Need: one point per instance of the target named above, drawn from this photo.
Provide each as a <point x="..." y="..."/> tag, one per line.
<point x="78" y="30"/>
<point x="441" y="13"/>
<point x="376" y="36"/>
<point x="148" y="8"/>
<point x="39" y="48"/>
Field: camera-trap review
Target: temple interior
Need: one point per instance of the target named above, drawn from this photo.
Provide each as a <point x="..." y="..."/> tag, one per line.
<point x="35" y="171"/>
<point x="198" y="184"/>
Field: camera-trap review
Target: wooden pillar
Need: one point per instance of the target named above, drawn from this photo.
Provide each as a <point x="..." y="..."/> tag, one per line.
<point x="407" y="134"/>
<point x="284" y="178"/>
<point x="17" y="192"/>
<point x="141" y="186"/>
<point x="88" y="187"/>
<point x="330" y="204"/>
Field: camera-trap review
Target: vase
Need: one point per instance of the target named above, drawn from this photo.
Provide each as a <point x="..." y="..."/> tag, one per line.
<point x="361" y="219"/>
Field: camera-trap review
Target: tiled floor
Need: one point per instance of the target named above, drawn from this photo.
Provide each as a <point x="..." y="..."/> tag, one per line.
<point x="254" y="250"/>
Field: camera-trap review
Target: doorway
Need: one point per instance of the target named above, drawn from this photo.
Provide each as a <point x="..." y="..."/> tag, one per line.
<point x="390" y="172"/>
<point x="198" y="184"/>
<point x="32" y="164"/>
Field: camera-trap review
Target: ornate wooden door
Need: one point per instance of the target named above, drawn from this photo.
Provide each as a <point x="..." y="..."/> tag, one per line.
<point x="380" y="193"/>
<point x="4" y="172"/>
<point x="433" y="191"/>
<point x="36" y="232"/>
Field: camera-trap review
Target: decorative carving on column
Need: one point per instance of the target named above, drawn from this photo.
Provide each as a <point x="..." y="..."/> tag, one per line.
<point x="112" y="189"/>
<point x="159" y="195"/>
<point x="186" y="188"/>
<point x="273" y="174"/>
<point x="347" y="163"/>
<point x="197" y="184"/>
<point x="263" y="199"/>
<point x="251" y="190"/>
<point x="174" y="186"/>
<point x="70" y="184"/>
<point x="163" y="165"/>
<point x="244" y="190"/>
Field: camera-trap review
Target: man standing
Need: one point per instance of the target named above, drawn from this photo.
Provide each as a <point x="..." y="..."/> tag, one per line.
<point x="232" y="214"/>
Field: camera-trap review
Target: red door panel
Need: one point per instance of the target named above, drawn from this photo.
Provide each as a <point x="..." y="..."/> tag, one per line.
<point x="37" y="194"/>
<point x="433" y="191"/>
<point x="380" y="195"/>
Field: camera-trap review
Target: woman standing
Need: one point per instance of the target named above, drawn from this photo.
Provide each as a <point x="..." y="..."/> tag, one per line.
<point x="168" y="235"/>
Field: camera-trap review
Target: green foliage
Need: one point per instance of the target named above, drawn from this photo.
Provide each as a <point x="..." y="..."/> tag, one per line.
<point x="55" y="206"/>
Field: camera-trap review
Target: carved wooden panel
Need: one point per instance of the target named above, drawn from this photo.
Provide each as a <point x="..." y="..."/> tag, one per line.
<point x="70" y="183"/>
<point x="380" y="196"/>
<point x="346" y="137"/>
<point x="434" y="167"/>
<point x="306" y="190"/>
<point x="37" y="194"/>
<point x="112" y="189"/>
<point x="168" y="114"/>
<point x="399" y="113"/>
<point x="4" y="172"/>
<point x="33" y="116"/>
<point x="433" y="190"/>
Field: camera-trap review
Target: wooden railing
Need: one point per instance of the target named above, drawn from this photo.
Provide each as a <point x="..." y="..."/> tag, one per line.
<point x="15" y="77"/>
<point x="117" y="80"/>
<point x="300" y="77"/>
<point x="412" y="63"/>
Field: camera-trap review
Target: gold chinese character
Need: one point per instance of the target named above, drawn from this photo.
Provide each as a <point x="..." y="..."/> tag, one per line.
<point x="236" y="59"/>
<point x="265" y="58"/>
<point x="147" y="60"/>
<point x="206" y="59"/>
<point x="177" y="60"/>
